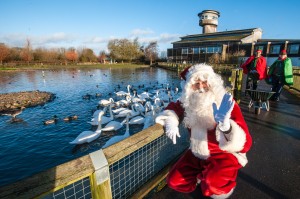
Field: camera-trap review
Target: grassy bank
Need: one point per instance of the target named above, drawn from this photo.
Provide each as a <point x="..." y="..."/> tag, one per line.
<point x="70" y="66"/>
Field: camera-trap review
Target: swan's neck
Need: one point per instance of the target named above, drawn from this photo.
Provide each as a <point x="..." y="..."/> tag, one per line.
<point x="110" y="113"/>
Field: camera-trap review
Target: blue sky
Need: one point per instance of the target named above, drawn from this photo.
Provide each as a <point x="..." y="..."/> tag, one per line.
<point x="92" y="23"/>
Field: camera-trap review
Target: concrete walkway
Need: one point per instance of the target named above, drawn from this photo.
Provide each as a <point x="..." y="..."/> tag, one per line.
<point x="273" y="170"/>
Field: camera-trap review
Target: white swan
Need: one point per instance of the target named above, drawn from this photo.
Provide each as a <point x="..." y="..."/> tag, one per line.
<point x="104" y="119"/>
<point x="124" y="102"/>
<point x="89" y="136"/>
<point x="135" y="99"/>
<point x="133" y="112"/>
<point x="137" y="120"/>
<point x="149" y="118"/>
<point x="119" y="138"/>
<point x="115" y="125"/>
<point x="122" y="93"/>
<point x="105" y="102"/>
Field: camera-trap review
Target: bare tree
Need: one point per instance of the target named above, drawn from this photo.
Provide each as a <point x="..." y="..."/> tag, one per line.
<point x="4" y="52"/>
<point x="151" y="51"/>
<point x="26" y="53"/>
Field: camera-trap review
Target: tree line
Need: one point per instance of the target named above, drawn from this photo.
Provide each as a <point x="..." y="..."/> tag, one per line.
<point x="120" y="50"/>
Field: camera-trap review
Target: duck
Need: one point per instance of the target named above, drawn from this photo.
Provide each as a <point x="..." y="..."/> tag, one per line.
<point x="89" y="136"/>
<point x="70" y="118"/>
<point x="119" y="138"/>
<point x="51" y="121"/>
<point x="14" y="112"/>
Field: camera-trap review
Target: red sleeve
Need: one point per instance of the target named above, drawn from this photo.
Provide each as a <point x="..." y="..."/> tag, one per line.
<point x="237" y="116"/>
<point x="247" y="62"/>
<point x="177" y="108"/>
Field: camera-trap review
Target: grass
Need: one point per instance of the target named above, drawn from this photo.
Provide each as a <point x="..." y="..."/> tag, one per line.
<point x="70" y="66"/>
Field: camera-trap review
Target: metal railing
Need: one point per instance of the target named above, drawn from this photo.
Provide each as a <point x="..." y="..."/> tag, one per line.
<point x="118" y="171"/>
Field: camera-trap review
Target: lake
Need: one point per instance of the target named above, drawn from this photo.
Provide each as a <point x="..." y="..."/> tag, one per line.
<point x="30" y="147"/>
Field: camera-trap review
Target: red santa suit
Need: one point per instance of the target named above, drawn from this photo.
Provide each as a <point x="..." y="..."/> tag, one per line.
<point x="212" y="160"/>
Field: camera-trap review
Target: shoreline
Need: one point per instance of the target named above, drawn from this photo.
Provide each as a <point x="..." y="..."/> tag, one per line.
<point x="67" y="67"/>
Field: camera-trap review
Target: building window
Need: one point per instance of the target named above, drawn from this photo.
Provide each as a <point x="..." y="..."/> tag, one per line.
<point x="184" y="51"/>
<point x="259" y="48"/>
<point x="213" y="49"/>
<point x="196" y="50"/>
<point x="202" y="50"/>
<point x="293" y="49"/>
<point x="275" y="49"/>
<point x="190" y="50"/>
<point x="217" y="49"/>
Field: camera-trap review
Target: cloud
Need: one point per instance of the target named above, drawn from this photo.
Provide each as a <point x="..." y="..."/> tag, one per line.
<point x="54" y="38"/>
<point x="137" y="32"/>
<point x="19" y="40"/>
<point x="64" y="40"/>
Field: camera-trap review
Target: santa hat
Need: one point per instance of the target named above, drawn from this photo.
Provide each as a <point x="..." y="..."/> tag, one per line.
<point x="283" y="52"/>
<point x="259" y="50"/>
<point x="199" y="70"/>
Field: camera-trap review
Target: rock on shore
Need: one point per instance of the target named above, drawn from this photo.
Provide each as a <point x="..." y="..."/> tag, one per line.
<point x="16" y="100"/>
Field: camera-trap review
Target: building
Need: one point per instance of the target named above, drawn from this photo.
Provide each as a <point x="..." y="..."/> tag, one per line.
<point x="239" y="44"/>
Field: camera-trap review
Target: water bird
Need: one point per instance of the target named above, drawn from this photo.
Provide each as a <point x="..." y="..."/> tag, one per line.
<point x="115" y="125"/>
<point x="133" y="112"/>
<point x="122" y="93"/>
<point x="119" y="138"/>
<point x="105" y="102"/>
<point x="51" y="121"/>
<point x="104" y="119"/>
<point x="70" y="118"/>
<point x="89" y="136"/>
<point x="14" y="112"/>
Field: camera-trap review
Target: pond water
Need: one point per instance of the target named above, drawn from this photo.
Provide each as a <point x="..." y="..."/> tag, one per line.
<point x="29" y="147"/>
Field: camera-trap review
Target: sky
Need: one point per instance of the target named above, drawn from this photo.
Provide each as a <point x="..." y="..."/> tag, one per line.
<point x="92" y="23"/>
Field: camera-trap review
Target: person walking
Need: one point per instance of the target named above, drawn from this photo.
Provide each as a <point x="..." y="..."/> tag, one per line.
<point x="256" y="69"/>
<point x="280" y="73"/>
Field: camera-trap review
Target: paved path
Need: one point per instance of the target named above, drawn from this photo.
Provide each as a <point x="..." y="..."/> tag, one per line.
<point x="273" y="170"/>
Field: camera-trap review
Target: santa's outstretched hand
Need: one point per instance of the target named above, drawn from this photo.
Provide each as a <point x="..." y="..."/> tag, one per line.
<point x="222" y="115"/>
<point x="169" y="120"/>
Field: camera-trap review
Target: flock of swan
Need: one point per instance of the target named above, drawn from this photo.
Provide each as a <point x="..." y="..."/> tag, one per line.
<point x="131" y="109"/>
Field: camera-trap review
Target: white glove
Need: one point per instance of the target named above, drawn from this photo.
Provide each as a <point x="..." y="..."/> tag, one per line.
<point x="169" y="120"/>
<point x="222" y="115"/>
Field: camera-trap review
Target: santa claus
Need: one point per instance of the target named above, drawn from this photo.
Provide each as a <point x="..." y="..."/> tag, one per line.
<point x="219" y="136"/>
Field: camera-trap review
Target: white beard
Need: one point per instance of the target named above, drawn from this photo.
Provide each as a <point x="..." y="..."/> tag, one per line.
<point x="198" y="109"/>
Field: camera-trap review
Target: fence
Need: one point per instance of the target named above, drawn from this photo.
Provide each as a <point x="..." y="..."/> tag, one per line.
<point x="127" y="169"/>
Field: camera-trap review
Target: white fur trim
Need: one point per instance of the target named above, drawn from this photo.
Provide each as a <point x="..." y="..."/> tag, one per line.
<point x="199" y="69"/>
<point x="241" y="157"/>
<point x="222" y="196"/>
<point x="199" y="143"/>
<point x="160" y="119"/>
<point x="237" y="138"/>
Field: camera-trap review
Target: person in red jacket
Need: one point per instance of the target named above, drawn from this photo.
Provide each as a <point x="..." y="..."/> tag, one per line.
<point x="219" y="136"/>
<point x="256" y="69"/>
